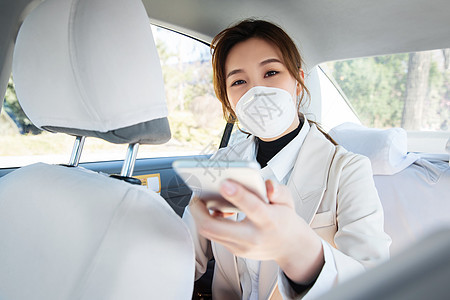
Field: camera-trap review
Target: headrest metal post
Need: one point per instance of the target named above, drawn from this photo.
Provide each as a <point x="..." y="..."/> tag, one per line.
<point x="130" y="159"/>
<point x="76" y="151"/>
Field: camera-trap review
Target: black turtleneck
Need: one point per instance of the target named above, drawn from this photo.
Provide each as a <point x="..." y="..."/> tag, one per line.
<point x="267" y="150"/>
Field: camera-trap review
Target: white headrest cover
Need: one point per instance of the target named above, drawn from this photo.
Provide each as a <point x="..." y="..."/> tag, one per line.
<point x="386" y="149"/>
<point x="88" y="64"/>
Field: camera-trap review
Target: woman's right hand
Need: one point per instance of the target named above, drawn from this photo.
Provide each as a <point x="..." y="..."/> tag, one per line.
<point x="270" y="231"/>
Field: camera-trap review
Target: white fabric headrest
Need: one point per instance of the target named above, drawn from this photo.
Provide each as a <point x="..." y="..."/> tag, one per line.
<point x="386" y="149"/>
<point x="89" y="65"/>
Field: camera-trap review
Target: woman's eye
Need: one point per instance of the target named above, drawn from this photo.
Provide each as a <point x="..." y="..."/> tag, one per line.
<point x="238" y="82"/>
<point x="270" y="73"/>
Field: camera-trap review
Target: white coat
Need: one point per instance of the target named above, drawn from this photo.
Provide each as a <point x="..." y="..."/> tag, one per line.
<point x="333" y="190"/>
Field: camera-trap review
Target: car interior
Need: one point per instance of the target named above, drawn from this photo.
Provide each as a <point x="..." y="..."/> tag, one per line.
<point x="110" y="228"/>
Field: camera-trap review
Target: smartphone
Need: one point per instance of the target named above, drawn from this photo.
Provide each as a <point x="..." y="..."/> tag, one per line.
<point x="204" y="177"/>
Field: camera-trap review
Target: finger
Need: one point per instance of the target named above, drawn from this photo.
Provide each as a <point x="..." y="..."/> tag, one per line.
<point x="217" y="228"/>
<point x="231" y="246"/>
<point x="253" y="206"/>
<point x="199" y="211"/>
<point x="229" y="239"/>
<point x="225" y="231"/>
<point x="279" y="194"/>
<point x="271" y="189"/>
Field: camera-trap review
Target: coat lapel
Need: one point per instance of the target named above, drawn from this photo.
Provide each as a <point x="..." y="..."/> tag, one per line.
<point x="268" y="278"/>
<point x="226" y="261"/>
<point x="244" y="150"/>
<point x="309" y="177"/>
<point x="307" y="184"/>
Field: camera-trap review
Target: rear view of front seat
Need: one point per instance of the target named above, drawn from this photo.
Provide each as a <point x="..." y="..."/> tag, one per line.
<point x="90" y="68"/>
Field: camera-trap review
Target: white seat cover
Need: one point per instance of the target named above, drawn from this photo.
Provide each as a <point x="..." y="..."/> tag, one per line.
<point x="416" y="202"/>
<point x="69" y="233"/>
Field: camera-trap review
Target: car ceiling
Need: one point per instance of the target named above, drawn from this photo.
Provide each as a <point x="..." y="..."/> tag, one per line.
<point x="324" y="30"/>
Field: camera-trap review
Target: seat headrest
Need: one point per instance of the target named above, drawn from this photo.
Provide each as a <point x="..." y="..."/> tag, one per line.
<point x="90" y="67"/>
<point x="386" y="148"/>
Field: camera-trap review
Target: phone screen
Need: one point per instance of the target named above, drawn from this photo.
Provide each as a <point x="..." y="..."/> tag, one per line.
<point x="204" y="178"/>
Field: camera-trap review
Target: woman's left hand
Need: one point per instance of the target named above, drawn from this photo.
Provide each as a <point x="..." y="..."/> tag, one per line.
<point x="269" y="232"/>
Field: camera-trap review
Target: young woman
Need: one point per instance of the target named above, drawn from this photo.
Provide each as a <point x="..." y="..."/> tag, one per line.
<point x="324" y="222"/>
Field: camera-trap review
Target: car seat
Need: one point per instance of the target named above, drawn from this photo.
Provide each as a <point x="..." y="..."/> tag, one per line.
<point x="90" y="68"/>
<point x="414" y="189"/>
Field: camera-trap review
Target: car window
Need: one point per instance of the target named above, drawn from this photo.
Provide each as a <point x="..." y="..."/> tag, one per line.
<point x="195" y="115"/>
<point x="408" y="90"/>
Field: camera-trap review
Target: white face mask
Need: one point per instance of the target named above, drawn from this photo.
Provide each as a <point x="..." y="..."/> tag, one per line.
<point x="266" y="112"/>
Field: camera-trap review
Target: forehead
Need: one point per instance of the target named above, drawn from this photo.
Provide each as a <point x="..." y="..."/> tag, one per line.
<point x="251" y="51"/>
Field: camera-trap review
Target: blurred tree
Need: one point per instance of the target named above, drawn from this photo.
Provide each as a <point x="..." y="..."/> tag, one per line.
<point x="416" y="89"/>
<point x="375" y="87"/>
<point x="7" y="125"/>
<point x="194" y="112"/>
<point x="446" y="53"/>
<point x="15" y="112"/>
<point x="409" y="90"/>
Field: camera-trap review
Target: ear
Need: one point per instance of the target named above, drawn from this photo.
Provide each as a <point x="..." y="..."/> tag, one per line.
<point x="231" y="109"/>
<point x="231" y="114"/>
<point x="299" y="86"/>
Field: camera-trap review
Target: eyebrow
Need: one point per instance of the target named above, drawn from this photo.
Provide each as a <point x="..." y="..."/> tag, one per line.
<point x="270" y="60"/>
<point x="264" y="62"/>
<point x="234" y="72"/>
